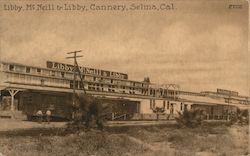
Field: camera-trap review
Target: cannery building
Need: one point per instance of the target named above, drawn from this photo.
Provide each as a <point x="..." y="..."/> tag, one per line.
<point x="25" y="89"/>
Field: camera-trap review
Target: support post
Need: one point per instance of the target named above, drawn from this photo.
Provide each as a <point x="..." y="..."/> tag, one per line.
<point x="12" y="94"/>
<point x="113" y="116"/>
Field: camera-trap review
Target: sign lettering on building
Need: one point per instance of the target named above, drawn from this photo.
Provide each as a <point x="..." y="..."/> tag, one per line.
<point x="85" y="70"/>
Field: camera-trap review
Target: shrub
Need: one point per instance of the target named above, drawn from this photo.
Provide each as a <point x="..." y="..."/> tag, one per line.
<point x="189" y="118"/>
<point x="89" y="108"/>
<point x="241" y="117"/>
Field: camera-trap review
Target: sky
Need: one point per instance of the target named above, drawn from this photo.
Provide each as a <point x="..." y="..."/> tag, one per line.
<point x="200" y="45"/>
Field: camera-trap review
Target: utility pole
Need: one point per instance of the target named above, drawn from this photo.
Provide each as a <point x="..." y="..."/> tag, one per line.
<point x="228" y="107"/>
<point x="75" y="69"/>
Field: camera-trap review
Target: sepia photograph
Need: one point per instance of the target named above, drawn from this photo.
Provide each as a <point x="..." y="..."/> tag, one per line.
<point x="124" y="78"/>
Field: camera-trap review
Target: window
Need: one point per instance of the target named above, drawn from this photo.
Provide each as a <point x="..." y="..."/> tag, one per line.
<point x="81" y="85"/>
<point x="168" y="105"/>
<point x="27" y="69"/>
<point x="94" y="78"/>
<point x="53" y="73"/>
<point x="172" y="108"/>
<point x="71" y="84"/>
<point x="181" y="106"/>
<point x="42" y="82"/>
<point x="111" y="81"/>
<point x="11" y="67"/>
<point x="62" y="74"/>
<point x="185" y="106"/>
<point x="38" y="70"/>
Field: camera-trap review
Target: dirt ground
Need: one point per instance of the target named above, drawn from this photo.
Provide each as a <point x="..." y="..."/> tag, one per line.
<point x="206" y="140"/>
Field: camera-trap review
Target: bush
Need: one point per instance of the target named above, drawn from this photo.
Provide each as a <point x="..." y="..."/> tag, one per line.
<point x="89" y="108"/>
<point x="190" y="118"/>
<point x="241" y="117"/>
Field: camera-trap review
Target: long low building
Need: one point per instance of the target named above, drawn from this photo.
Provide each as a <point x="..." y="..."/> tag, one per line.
<point x="27" y="88"/>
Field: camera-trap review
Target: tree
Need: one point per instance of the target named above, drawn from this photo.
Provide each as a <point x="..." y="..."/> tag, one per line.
<point x="92" y="106"/>
<point x="190" y="118"/>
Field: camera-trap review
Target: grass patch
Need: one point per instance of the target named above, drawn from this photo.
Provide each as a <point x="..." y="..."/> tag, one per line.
<point x="214" y="140"/>
<point x="219" y="140"/>
<point x="91" y="143"/>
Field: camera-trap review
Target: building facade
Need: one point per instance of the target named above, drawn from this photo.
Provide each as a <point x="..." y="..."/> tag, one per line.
<point x="55" y="81"/>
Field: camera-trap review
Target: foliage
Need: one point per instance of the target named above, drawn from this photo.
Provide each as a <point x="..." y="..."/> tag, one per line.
<point x="152" y="140"/>
<point x="89" y="109"/>
<point x="190" y="118"/>
<point x="159" y="110"/>
<point x="241" y="117"/>
<point x="82" y="144"/>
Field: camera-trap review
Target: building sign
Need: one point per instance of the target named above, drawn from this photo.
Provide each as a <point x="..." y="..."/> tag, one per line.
<point x="84" y="70"/>
<point x="227" y="92"/>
